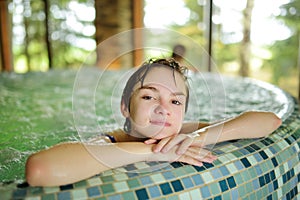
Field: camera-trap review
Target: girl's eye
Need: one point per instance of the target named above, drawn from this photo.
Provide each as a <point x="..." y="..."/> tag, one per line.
<point x="176" y="102"/>
<point x="147" y="97"/>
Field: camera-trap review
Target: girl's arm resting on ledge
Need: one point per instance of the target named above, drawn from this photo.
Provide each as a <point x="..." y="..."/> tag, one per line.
<point x="252" y="124"/>
<point x="70" y="162"/>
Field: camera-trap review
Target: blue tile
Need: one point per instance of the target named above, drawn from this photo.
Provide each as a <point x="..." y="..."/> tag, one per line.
<point x="130" y="167"/>
<point x="165" y="188"/>
<point x="258" y="170"/>
<point x="254" y="146"/>
<point x="274" y="161"/>
<point x="239" y="165"/>
<point x="132" y="174"/>
<point x="275" y="185"/>
<point x="199" y="169"/>
<point x="146" y="180"/>
<point x="267" y="178"/>
<point x="231" y="182"/>
<point x="187" y="182"/>
<point x="177" y="186"/>
<point x="142" y="194"/>
<point x="168" y="175"/>
<point x="234" y="194"/>
<point x="244" y="151"/>
<point x="257" y="157"/>
<point x="251" y="150"/>
<point x="216" y="173"/>
<point x="208" y="165"/>
<point x="245" y="162"/>
<point x="255" y="184"/>
<point x="223" y="185"/>
<point x="273" y="150"/>
<point x="218" y="198"/>
<point x="64" y="196"/>
<point x="176" y="164"/>
<point x="205" y="192"/>
<point x="19" y="193"/>
<point x="270" y="188"/>
<point x="263" y="155"/>
<point x="262" y="181"/>
<point x="224" y="170"/>
<point x="93" y="191"/>
<point x="272" y="175"/>
<point x="154" y="191"/>
<point x="115" y="197"/>
<point x="197" y="179"/>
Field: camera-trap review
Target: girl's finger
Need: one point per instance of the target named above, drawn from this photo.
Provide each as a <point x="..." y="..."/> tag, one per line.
<point x="157" y="148"/>
<point x="201" y="155"/>
<point x="172" y="142"/>
<point x="150" y="141"/>
<point x="183" y="147"/>
<point x="190" y="160"/>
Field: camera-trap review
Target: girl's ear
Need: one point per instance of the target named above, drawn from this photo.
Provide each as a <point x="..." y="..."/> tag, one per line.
<point x="124" y="110"/>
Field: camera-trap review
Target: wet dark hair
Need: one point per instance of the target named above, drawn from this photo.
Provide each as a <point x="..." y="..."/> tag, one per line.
<point x="140" y="75"/>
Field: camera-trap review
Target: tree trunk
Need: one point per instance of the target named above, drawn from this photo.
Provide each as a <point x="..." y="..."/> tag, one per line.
<point x="245" y="51"/>
<point x="47" y="35"/>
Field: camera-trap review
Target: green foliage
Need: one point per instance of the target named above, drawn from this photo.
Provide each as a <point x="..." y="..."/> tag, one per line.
<point x="285" y="53"/>
<point x="63" y="35"/>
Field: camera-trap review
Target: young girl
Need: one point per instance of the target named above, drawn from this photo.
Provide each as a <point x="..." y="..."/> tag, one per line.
<point x="154" y="103"/>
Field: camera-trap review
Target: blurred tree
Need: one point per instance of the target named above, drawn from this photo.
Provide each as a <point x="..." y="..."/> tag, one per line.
<point x="285" y="53"/>
<point x="245" y="47"/>
<point x="52" y="33"/>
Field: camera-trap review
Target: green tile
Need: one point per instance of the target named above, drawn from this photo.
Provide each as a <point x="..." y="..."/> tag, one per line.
<point x="238" y="179"/>
<point x="190" y="169"/>
<point x="158" y="178"/>
<point x="80" y="184"/>
<point x="217" y="162"/>
<point x="226" y="195"/>
<point x="252" y="172"/>
<point x="79" y="194"/>
<point x="245" y="175"/>
<point x="179" y="172"/>
<point x="121" y="186"/>
<point x="128" y="195"/>
<point x="214" y="188"/>
<point x="242" y="190"/>
<point x="121" y="177"/>
<point x="173" y="198"/>
<point x="48" y="197"/>
<point x="107" y="179"/>
<point x="35" y="190"/>
<point x="107" y="188"/>
<point x="195" y="194"/>
<point x="184" y="196"/>
<point x="133" y="183"/>
<point x="237" y="154"/>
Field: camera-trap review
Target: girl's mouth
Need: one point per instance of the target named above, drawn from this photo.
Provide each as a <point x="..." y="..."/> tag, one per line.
<point x="160" y="123"/>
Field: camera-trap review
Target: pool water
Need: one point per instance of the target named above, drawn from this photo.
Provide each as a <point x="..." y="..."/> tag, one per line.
<point x="37" y="108"/>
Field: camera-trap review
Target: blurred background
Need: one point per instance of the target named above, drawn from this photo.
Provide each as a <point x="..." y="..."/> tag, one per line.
<point x="251" y="38"/>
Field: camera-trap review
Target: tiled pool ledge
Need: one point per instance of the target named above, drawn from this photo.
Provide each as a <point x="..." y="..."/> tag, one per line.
<point x="266" y="168"/>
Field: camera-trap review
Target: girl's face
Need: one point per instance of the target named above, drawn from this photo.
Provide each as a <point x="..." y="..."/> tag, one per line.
<point x="157" y="108"/>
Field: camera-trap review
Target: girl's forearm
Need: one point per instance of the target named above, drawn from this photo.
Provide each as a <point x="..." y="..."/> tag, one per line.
<point x="70" y="162"/>
<point x="251" y="124"/>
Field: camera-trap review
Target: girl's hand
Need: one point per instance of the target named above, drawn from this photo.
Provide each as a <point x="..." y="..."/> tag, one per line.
<point x="196" y="156"/>
<point x="183" y="141"/>
<point x="193" y="155"/>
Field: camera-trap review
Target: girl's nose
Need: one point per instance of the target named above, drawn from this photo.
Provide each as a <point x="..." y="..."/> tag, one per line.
<point x="162" y="110"/>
